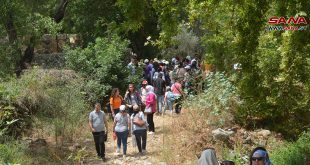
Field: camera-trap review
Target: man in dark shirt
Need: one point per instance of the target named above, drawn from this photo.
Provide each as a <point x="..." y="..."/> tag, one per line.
<point x="159" y="89"/>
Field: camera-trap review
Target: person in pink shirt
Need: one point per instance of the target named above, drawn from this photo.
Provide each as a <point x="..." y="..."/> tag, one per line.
<point x="150" y="102"/>
<point x="176" y="89"/>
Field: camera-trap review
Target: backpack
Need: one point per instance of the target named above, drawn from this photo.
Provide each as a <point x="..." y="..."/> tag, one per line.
<point x="170" y="96"/>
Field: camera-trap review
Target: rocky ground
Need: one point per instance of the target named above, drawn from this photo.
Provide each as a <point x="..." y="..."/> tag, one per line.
<point x="154" y="146"/>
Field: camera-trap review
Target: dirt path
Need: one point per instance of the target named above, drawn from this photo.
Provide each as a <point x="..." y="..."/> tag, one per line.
<point x="154" y="147"/>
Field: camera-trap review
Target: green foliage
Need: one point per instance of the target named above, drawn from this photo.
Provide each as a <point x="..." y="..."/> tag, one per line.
<point x="293" y="153"/>
<point x="29" y="21"/>
<point x="219" y="100"/>
<point x="57" y="99"/>
<point x="170" y="14"/>
<point x="7" y="63"/>
<point x="274" y="83"/>
<point x="134" y="12"/>
<point x="91" y="18"/>
<point x="14" y="152"/>
<point x="103" y="66"/>
<point x="217" y="30"/>
<point x="183" y="44"/>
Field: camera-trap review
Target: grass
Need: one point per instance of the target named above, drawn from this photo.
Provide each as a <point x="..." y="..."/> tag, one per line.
<point x="14" y="152"/>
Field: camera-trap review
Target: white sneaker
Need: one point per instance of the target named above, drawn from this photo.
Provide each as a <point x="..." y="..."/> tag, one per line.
<point x="150" y="133"/>
<point x="117" y="151"/>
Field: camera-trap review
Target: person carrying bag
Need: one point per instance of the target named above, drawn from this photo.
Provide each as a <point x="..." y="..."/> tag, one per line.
<point x="139" y="126"/>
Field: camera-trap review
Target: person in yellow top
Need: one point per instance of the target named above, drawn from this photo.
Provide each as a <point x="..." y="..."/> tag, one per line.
<point x="115" y="101"/>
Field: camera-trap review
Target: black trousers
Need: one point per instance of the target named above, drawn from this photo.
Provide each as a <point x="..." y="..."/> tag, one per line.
<point x="140" y="135"/>
<point x="150" y="121"/>
<point x="130" y="111"/>
<point x="178" y="105"/>
<point x="99" y="143"/>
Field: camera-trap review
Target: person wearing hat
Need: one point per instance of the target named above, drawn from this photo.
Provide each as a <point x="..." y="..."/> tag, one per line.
<point x="132" y="99"/>
<point x="121" y="127"/>
<point x="259" y="156"/>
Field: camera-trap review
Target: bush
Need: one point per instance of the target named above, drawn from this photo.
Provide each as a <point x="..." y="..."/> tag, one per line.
<point x="52" y="96"/>
<point x="212" y="109"/>
<point x="293" y="153"/>
<point x="103" y="65"/>
<point x="219" y="99"/>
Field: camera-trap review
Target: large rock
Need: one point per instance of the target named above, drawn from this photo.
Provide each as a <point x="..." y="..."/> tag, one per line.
<point x="222" y="135"/>
<point x="264" y="133"/>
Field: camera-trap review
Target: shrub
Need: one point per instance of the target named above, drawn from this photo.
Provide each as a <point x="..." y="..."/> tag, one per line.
<point x="218" y="100"/>
<point x="103" y="65"/>
<point x="212" y="109"/>
<point x="52" y="96"/>
<point x="293" y="153"/>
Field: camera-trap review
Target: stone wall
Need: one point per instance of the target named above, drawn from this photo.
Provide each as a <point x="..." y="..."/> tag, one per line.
<point x="55" y="43"/>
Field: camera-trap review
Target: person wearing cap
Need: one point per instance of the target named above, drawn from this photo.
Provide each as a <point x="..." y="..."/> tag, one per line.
<point x="121" y="127"/>
<point x="259" y="156"/>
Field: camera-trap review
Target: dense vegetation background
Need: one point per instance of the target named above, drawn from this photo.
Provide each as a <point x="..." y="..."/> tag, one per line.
<point x="271" y="91"/>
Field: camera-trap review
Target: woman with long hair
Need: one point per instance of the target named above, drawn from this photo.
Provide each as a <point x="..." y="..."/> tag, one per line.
<point x="132" y="98"/>
<point x="115" y="101"/>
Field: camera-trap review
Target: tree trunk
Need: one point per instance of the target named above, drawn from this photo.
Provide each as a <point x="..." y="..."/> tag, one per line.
<point x="13" y="40"/>
<point x="60" y="11"/>
<point x="10" y="28"/>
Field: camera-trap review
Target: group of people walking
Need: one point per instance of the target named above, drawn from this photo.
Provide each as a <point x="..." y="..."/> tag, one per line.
<point x="133" y="114"/>
<point x="161" y="89"/>
<point x="129" y="119"/>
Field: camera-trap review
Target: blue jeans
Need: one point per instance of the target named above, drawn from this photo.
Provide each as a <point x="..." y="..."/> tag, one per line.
<point x="122" y="138"/>
<point x="169" y="105"/>
<point x="160" y="102"/>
